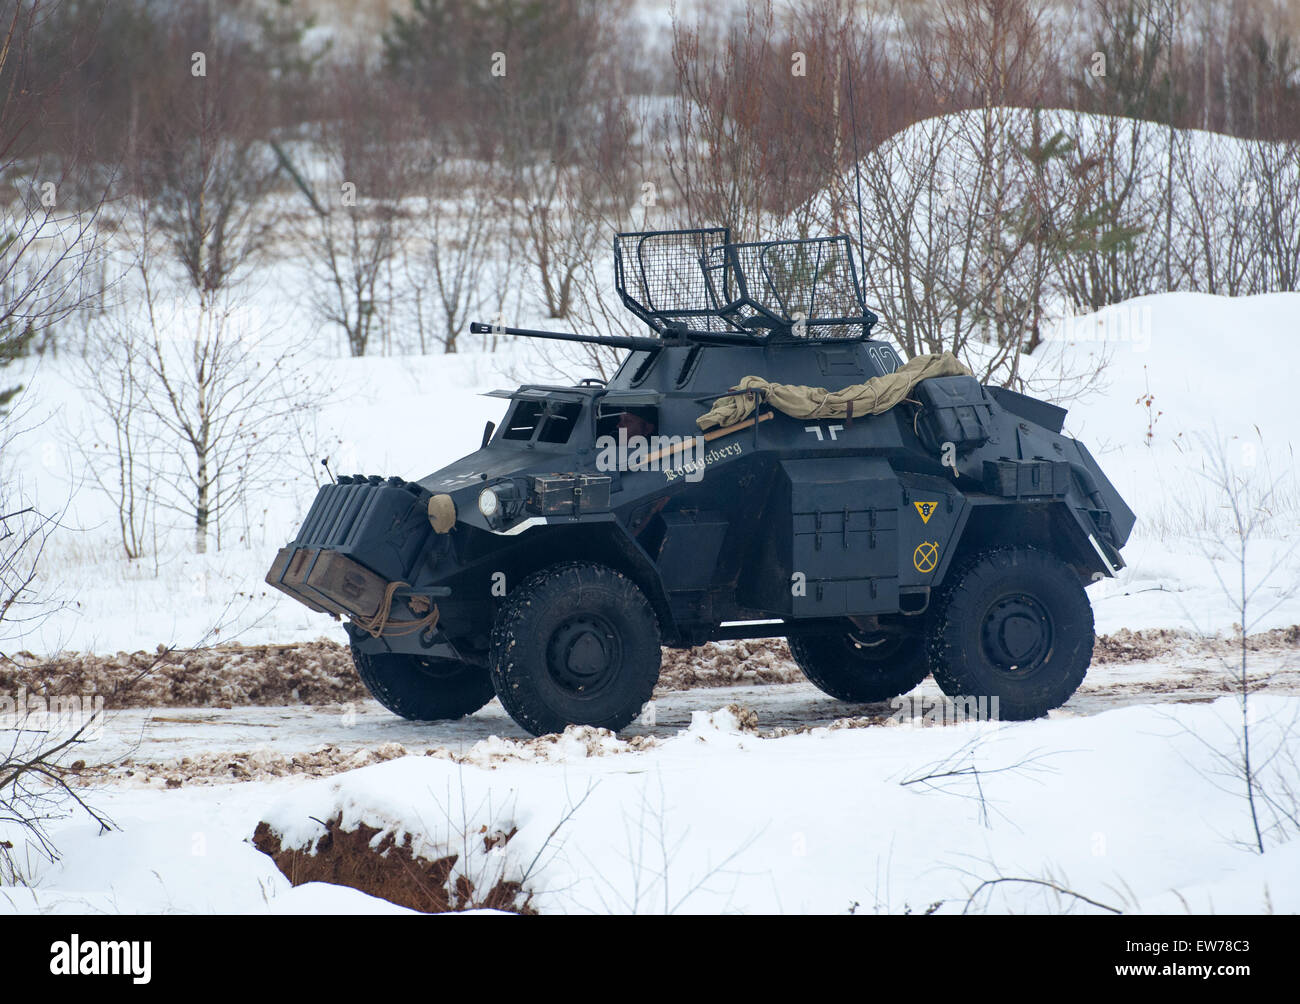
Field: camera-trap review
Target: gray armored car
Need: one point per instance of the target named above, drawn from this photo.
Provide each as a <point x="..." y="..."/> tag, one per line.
<point x="759" y="466"/>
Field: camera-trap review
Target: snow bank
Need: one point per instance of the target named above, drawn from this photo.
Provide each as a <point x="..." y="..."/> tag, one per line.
<point x="1185" y="374"/>
<point x="819" y="821"/>
<point x="719" y="820"/>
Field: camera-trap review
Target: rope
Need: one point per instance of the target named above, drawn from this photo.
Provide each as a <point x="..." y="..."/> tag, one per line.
<point x="381" y="625"/>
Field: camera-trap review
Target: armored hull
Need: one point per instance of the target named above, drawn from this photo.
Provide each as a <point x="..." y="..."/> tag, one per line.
<point x="856" y="532"/>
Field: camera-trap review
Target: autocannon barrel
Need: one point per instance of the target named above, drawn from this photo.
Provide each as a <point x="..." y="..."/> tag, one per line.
<point x="614" y="341"/>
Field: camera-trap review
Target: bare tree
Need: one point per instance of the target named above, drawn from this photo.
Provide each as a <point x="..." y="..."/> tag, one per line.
<point x="40" y="782"/>
<point x="353" y="244"/>
<point x="201" y="159"/>
<point x="1250" y="503"/>
<point x="1272" y="191"/>
<point x="35" y="782"/>
<point x="557" y="120"/>
<point x="363" y="170"/>
<point x="112" y="376"/>
<point x="220" y="395"/>
<point x="715" y="154"/>
<point x="1215" y="244"/>
<point x="1102" y="269"/>
<point x="620" y="191"/>
<point x="46" y="246"/>
<point x="457" y="240"/>
<point x="49" y="238"/>
<point x="25" y="530"/>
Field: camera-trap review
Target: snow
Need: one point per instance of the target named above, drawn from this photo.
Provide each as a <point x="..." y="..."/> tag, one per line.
<point x="715" y="819"/>
<point x="1218" y="373"/>
<point x="410" y="415"/>
<point x="709" y="817"/>
<point x="700" y="813"/>
<point x="214" y="745"/>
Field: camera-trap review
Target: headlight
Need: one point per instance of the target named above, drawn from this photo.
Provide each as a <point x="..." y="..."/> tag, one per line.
<point x="488" y="503"/>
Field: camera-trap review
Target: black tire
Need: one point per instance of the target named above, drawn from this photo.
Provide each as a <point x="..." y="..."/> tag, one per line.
<point x="862" y="668"/>
<point x="424" y="690"/>
<point x="575" y="644"/>
<point x="1014" y="624"/>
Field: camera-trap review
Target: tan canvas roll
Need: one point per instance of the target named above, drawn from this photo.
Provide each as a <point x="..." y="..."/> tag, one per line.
<point x="877" y="395"/>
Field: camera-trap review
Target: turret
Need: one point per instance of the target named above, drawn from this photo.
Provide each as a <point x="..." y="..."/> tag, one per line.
<point x="698" y="287"/>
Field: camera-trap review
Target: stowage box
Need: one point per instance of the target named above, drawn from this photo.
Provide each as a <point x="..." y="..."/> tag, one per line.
<point x="568" y="494"/>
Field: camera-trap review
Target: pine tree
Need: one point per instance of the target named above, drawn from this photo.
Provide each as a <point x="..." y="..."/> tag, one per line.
<point x="1061" y="216"/>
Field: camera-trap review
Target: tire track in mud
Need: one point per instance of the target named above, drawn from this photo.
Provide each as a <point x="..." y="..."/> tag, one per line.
<point x="215" y="746"/>
<point x="320" y="672"/>
<point x="280" y="731"/>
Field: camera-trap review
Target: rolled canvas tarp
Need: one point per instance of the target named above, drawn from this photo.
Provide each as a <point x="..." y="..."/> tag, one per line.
<point x="873" y="397"/>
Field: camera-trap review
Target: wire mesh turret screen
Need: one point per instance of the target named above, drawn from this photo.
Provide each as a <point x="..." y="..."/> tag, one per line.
<point x="699" y="280"/>
<point x="661" y="280"/>
<point x="812" y="281"/>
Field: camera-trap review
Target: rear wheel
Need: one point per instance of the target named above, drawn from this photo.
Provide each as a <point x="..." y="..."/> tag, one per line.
<point x="1014" y="624"/>
<point x="575" y="644"/>
<point x="862" y="667"/>
<point x="421" y="689"/>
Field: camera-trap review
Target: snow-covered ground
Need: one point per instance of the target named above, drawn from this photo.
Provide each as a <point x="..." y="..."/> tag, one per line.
<point x="719" y="819"/>
<point x="151" y="746"/>
<point x="410" y="415"/>
<point x="693" y="813"/>
<point x="1120" y="796"/>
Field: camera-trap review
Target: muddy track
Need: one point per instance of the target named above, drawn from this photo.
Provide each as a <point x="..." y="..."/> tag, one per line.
<point x="321" y="673"/>
<point x="172" y="748"/>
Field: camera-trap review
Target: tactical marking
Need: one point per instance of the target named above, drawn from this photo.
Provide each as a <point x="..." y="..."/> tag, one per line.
<point x="925" y="509"/>
<point x="926" y="555"/>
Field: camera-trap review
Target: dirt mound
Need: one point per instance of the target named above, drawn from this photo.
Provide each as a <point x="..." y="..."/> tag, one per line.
<point x="251" y="765"/>
<point x="318" y="672"/>
<point x="378" y="864"/>
<point x="728" y="664"/>
<point x="1142" y="646"/>
<point x="1139" y="646"/>
<point x="222" y="767"/>
<point x="321" y="672"/>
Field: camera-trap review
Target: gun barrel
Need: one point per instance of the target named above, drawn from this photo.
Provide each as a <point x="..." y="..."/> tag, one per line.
<point x="614" y="341"/>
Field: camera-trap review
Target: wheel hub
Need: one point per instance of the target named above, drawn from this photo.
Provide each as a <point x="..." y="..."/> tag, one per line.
<point x="1017" y="634"/>
<point x="583" y="654"/>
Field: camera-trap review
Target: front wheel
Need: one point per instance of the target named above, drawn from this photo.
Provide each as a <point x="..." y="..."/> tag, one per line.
<point x="575" y="644"/>
<point x="1012" y="624"/>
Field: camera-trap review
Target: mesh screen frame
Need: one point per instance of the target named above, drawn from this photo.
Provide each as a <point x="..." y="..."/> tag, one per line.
<point x="701" y="280"/>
